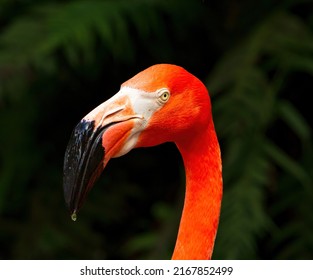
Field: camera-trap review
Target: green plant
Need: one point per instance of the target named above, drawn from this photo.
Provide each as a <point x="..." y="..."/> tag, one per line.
<point x="249" y="85"/>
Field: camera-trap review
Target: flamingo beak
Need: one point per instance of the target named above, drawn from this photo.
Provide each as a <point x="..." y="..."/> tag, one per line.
<point x="104" y="133"/>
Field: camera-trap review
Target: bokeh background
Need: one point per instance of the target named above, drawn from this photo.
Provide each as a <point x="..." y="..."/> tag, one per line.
<point x="60" y="59"/>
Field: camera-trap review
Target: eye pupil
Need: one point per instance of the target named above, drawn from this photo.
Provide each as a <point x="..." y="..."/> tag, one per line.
<point x="165" y="96"/>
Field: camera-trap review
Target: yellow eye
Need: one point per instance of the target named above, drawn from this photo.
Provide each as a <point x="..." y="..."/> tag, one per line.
<point x="164" y="95"/>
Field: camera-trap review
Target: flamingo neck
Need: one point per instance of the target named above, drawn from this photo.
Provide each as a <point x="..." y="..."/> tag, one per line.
<point x="200" y="216"/>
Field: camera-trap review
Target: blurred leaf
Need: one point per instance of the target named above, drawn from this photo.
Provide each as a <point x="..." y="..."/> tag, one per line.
<point x="141" y="242"/>
<point x="295" y="120"/>
<point x="289" y="165"/>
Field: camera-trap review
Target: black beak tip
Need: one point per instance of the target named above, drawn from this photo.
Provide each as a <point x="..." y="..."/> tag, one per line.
<point x="82" y="164"/>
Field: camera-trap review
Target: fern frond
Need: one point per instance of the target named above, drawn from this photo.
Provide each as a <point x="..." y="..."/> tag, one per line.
<point x="246" y="102"/>
<point x="73" y="26"/>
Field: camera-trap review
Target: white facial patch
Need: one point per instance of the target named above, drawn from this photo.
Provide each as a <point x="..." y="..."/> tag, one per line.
<point x="144" y="104"/>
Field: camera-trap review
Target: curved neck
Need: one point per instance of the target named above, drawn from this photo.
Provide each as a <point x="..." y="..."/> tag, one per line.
<point x="199" y="221"/>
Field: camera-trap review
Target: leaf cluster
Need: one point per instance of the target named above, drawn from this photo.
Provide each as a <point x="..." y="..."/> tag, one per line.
<point x="251" y="110"/>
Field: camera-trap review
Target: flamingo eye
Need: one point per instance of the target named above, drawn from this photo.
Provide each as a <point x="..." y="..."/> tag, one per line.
<point x="164" y="95"/>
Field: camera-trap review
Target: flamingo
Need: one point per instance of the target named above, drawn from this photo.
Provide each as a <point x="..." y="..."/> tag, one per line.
<point x="163" y="103"/>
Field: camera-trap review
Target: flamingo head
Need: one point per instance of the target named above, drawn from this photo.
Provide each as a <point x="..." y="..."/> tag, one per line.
<point x="163" y="103"/>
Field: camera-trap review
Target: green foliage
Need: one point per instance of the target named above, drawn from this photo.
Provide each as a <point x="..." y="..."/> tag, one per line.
<point x="58" y="59"/>
<point x="75" y="26"/>
<point x="250" y="81"/>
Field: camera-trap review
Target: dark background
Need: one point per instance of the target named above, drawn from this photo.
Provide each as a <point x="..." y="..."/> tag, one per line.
<point x="59" y="59"/>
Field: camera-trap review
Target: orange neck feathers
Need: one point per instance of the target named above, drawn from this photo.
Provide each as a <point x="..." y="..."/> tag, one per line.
<point x="199" y="221"/>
